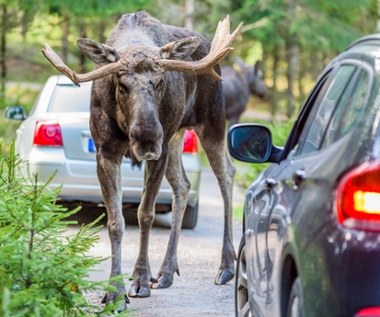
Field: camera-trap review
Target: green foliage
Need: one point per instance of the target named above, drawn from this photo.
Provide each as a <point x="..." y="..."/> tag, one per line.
<point x="94" y="8"/>
<point x="312" y="24"/>
<point x="43" y="271"/>
<point x="7" y="132"/>
<point x="280" y="131"/>
<point x="16" y="94"/>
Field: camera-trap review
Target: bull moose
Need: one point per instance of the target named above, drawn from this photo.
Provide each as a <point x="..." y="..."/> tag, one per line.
<point x="152" y="82"/>
<point x="240" y="81"/>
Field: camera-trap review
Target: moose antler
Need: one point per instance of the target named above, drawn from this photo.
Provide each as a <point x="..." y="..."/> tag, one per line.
<point x="220" y="47"/>
<point x="100" y="72"/>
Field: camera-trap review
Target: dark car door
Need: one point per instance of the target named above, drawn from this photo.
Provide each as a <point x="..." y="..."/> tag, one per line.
<point x="270" y="217"/>
<point x="305" y="178"/>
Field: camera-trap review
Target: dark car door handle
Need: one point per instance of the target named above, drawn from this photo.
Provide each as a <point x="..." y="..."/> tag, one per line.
<point x="298" y="177"/>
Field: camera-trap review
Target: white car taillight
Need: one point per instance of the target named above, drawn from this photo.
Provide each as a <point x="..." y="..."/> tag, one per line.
<point x="190" y="142"/>
<point x="47" y="133"/>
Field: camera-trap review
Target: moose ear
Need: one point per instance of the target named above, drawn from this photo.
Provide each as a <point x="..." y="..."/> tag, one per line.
<point x="181" y="49"/>
<point x="100" y="54"/>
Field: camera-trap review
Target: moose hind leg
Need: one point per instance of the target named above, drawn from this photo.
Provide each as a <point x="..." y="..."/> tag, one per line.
<point x="180" y="184"/>
<point x="224" y="171"/>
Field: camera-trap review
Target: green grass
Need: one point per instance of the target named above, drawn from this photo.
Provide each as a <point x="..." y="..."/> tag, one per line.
<point x="237" y="211"/>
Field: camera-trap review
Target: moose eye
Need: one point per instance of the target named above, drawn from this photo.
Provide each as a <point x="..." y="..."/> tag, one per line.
<point x="157" y="84"/>
<point x="123" y="89"/>
<point x="160" y="84"/>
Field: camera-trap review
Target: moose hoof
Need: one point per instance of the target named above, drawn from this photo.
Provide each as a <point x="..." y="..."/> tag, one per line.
<point x="110" y="298"/>
<point x="139" y="291"/>
<point x="224" y="276"/>
<point x="163" y="282"/>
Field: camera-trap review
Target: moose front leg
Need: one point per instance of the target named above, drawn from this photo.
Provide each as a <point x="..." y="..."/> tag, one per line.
<point x="110" y="181"/>
<point x="142" y="277"/>
<point x="180" y="184"/>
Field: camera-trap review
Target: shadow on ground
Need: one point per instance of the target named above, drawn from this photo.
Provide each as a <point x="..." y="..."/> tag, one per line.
<point x="90" y="212"/>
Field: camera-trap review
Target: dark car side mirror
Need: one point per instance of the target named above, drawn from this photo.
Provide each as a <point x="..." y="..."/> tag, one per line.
<point x="252" y="143"/>
<point x="15" y="113"/>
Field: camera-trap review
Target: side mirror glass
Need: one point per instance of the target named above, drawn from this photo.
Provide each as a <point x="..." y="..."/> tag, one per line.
<point x="15" y="113"/>
<point x="250" y="143"/>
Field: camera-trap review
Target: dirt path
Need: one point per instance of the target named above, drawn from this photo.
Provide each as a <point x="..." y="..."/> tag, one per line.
<point x="193" y="293"/>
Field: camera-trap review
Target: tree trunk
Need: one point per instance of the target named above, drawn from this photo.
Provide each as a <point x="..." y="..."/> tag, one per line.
<point x="291" y="57"/>
<point x="82" y="58"/>
<point x="291" y="75"/>
<point x="316" y="61"/>
<point x="3" y="52"/>
<point x="189" y="14"/>
<point x="274" y="99"/>
<point x="378" y="15"/>
<point x="302" y="71"/>
<point x="102" y="31"/>
<point x="65" y="38"/>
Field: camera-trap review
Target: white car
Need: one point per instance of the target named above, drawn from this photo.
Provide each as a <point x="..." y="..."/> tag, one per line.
<point x="55" y="138"/>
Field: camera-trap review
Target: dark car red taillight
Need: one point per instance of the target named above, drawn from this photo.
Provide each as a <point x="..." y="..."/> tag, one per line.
<point x="47" y="133"/>
<point x="190" y="142"/>
<point x="358" y="197"/>
<point x="368" y="312"/>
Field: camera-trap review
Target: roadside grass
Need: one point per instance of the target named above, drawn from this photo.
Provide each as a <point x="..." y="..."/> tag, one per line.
<point x="237" y="211"/>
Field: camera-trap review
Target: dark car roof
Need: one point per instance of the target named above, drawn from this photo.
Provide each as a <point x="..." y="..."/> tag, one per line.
<point x="369" y="40"/>
<point x="366" y="48"/>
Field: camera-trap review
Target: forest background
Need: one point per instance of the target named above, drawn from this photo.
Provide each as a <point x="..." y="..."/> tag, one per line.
<point x="295" y="39"/>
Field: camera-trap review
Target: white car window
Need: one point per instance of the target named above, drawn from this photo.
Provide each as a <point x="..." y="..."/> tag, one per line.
<point x="70" y="98"/>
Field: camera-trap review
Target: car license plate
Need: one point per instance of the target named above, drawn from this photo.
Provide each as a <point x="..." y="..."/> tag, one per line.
<point x="91" y="146"/>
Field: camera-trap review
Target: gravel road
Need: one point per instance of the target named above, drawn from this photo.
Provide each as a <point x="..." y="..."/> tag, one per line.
<point x="193" y="293"/>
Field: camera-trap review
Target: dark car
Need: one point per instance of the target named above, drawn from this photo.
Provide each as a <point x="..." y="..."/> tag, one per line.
<point x="311" y="229"/>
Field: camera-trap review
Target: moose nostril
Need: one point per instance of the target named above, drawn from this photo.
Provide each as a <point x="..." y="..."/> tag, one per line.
<point x="146" y="151"/>
<point x="151" y="156"/>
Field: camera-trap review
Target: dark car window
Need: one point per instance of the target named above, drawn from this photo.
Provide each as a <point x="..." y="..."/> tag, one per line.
<point x="318" y="123"/>
<point x="292" y="143"/>
<point x="347" y="113"/>
<point x="70" y="98"/>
